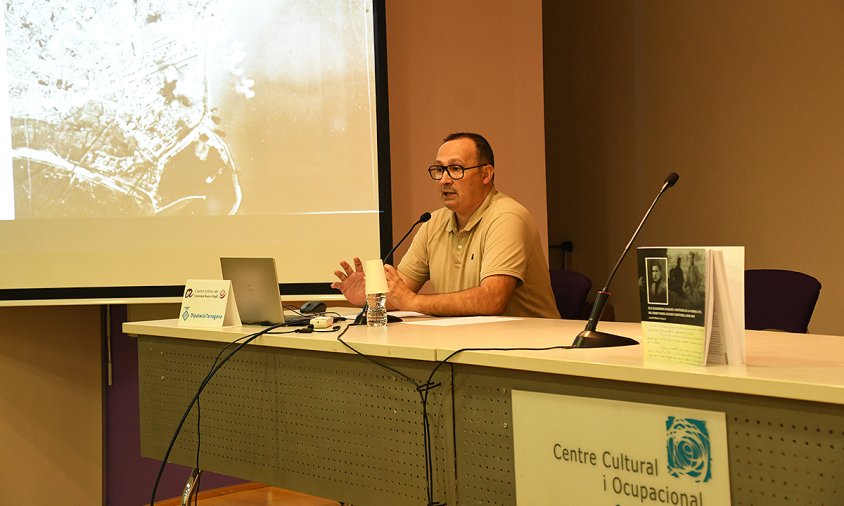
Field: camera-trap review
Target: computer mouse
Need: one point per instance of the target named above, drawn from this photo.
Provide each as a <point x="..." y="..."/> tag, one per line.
<point x="312" y="306"/>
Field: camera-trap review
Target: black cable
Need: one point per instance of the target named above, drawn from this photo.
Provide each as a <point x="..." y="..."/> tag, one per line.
<point x="428" y="446"/>
<point x="461" y="350"/>
<point x="418" y="388"/>
<point x="198" y="415"/>
<point x="337" y="316"/>
<point x="195" y="490"/>
<point x="424" y="389"/>
<point x="295" y="311"/>
<point x="379" y="364"/>
<point x="212" y="371"/>
<point x="248" y="339"/>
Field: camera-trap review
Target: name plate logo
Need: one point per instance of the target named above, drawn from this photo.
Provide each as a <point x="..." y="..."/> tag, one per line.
<point x="208" y="303"/>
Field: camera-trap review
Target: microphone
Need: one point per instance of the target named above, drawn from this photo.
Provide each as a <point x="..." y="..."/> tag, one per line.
<point x="591" y="338"/>
<point x="422" y="219"/>
<point x="360" y="319"/>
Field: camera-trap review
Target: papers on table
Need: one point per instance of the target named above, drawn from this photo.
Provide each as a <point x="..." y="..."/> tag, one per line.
<point x="462" y="320"/>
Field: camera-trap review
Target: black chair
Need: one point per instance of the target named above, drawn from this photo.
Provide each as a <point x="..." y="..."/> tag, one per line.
<point x="779" y="300"/>
<point x="570" y="291"/>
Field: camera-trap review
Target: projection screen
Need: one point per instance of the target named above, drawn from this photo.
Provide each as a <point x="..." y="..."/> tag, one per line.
<point x="143" y="140"/>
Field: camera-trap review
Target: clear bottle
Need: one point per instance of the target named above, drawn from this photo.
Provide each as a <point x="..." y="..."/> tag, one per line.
<point x="376" y="309"/>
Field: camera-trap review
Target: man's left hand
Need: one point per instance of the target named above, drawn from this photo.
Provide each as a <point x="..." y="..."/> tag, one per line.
<point x="401" y="295"/>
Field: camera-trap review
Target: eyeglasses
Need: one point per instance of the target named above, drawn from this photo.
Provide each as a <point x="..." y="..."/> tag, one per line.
<point x="454" y="171"/>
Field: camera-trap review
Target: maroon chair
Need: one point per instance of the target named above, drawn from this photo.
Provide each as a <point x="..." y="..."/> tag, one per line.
<point x="570" y="291"/>
<point x="779" y="300"/>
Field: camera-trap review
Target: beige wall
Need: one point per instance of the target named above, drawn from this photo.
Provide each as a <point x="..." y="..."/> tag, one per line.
<point x="465" y="66"/>
<point x="745" y="100"/>
<point x="51" y="418"/>
<point x="451" y="67"/>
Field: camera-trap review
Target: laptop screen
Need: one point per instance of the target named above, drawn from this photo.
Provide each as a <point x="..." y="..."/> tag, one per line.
<point x="255" y="287"/>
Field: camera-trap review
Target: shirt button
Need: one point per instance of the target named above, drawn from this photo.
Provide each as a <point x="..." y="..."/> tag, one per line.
<point x="459" y="246"/>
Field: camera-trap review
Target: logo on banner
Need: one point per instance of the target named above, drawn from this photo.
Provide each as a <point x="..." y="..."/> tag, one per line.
<point x="186" y="313"/>
<point x="688" y="449"/>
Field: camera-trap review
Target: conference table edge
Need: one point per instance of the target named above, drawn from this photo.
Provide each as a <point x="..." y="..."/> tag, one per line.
<point x="782" y="373"/>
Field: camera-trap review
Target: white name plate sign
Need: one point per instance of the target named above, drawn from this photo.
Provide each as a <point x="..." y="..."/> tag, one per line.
<point x="208" y="303"/>
<point x="580" y="450"/>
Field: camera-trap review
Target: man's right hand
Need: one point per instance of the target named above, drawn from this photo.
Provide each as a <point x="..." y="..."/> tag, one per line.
<point x="352" y="282"/>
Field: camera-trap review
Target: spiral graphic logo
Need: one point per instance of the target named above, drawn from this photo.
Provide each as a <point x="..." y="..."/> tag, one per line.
<point x="688" y="447"/>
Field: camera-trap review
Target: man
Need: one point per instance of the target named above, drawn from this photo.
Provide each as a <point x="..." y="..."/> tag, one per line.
<point x="676" y="279"/>
<point x="656" y="290"/>
<point x="693" y="286"/>
<point x="482" y="251"/>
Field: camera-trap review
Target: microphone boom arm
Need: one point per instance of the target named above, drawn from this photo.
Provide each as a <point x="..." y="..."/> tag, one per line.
<point x="360" y="319"/>
<point x="591" y="338"/>
<point x="393" y="250"/>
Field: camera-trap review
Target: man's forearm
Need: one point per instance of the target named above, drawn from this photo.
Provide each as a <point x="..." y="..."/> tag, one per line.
<point x="491" y="298"/>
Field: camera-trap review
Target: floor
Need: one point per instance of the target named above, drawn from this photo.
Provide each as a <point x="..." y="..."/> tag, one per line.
<point x="252" y="494"/>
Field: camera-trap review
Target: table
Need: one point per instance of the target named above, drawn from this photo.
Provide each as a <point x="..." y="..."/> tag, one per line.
<point x="302" y="411"/>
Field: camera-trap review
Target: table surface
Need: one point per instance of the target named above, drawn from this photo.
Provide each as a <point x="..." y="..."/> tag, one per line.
<point x="791" y="366"/>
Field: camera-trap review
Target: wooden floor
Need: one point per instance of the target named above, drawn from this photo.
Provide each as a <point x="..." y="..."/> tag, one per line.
<point x="252" y="494"/>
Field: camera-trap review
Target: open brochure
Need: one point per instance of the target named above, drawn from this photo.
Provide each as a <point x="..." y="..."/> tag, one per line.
<point x="692" y="304"/>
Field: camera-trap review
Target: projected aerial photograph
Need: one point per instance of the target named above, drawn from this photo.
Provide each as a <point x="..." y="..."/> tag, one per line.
<point x="163" y="108"/>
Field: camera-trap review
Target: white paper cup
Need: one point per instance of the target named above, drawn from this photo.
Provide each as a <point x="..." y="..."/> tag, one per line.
<point x="376" y="279"/>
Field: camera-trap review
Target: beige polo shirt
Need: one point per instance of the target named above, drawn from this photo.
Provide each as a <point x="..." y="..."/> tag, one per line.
<point x="499" y="238"/>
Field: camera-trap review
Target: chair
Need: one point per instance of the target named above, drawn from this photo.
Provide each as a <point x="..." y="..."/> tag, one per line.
<point x="779" y="299"/>
<point x="570" y="291"/>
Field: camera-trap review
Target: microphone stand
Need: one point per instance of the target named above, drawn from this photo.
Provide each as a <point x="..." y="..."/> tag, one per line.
<point x="360" y="319"/>
<point x="591" y="338"/>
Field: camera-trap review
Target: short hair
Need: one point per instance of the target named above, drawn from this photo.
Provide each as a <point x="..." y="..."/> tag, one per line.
<point x="483" y="148"/>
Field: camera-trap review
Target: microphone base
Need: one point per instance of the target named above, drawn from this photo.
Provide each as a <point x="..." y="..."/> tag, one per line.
<point x="361" y="318"/>
<point x="595" y="339"/>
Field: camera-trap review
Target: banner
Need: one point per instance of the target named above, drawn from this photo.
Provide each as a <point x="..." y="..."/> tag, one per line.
<point x="580" y="450"/>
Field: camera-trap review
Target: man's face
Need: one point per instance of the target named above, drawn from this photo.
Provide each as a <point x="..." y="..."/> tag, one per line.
<point x="655" y="272"/>
<point x="464" y="195"/>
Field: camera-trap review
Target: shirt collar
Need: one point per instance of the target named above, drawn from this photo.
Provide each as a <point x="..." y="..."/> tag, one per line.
<point x="476" y="216"/>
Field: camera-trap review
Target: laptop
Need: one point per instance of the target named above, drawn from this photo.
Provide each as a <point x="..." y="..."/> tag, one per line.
<point x="255" y="288"/>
